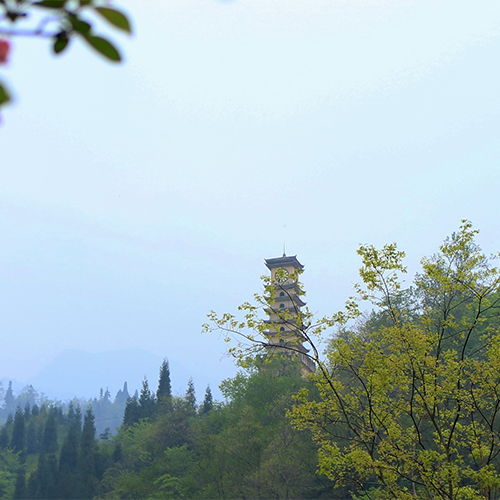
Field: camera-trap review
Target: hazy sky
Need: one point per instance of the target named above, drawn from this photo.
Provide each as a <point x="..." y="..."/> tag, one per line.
<point x="135" y="198"/>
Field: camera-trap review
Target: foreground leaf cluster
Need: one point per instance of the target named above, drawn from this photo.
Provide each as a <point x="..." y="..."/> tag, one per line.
<point x="61" y="21"/>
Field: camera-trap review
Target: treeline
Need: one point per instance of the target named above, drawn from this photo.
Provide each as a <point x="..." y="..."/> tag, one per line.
<point x="168" y="446"/>
<point x="108" y="412"/>
<point x="243" y="448"/>
<point x="45" y="453"/>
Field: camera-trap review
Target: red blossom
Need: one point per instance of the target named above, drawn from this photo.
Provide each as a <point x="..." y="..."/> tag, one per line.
<point x="4" y="51"/>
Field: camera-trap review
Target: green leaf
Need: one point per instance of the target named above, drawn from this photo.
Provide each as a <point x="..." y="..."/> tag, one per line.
<point x="81" y="26"/>
<point x="4" y="95"/>
<point x="61" y="42"/>
<point x="104" y="47"/>
<point x="115" y="18"/>
<point x="51" y="4"/>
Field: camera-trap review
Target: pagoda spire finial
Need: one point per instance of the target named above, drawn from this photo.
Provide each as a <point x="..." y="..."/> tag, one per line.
<point x="284" y="252"/>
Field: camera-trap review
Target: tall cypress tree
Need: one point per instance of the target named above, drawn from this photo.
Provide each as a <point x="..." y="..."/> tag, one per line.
<point x="18" y="434"/>
<point x="49" y="439"/>
<point x="35" y="410"/>
<point x="146" y="400"/>
<point x="20" y="489"/>
<point x="208" y="401"/>
<point x="74" y="417"/>
<point x="27" y="412"/>
<point x="43" y="482"/>
<point x="68" y="463"/>
<point x="32" y="437"/>
<point x="46" y="477"/>
<point x="132" y="412"/>
<point x="4" y="437"/>
<point x="87" y="480"/>
<point x="191" y="396"/>
<point x="9" y="400"/>
<point x="164" y="392"/>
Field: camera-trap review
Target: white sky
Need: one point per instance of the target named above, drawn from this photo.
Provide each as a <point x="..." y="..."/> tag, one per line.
<point x="135" y="198"/>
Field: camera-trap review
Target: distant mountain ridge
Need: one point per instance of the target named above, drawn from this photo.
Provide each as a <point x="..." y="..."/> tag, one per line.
<point x="74" y="373"/>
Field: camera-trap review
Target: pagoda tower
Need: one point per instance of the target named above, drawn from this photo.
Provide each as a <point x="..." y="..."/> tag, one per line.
<point x="284" y="309"/>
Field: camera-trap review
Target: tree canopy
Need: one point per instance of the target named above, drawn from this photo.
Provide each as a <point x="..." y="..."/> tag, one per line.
<point x="409" y="398"/>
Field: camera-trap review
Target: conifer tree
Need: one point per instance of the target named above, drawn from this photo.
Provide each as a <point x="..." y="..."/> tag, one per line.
<point x="46" y="477"/>
<point x="132" y="412"/>
<point x="32" y="438"/>
<point x="4" y="437"/>
<point x="49" y="440"/>
<point x="208" y="401"/>
<point x="27" y="412"/>
<point x="191" y="395"/>
<point x="58" y="414"/>
<point x="35" y="410"/>
<point x="74" y="417"/>
<point x="164" y="392"/>
<point x="18" y="434"/>
<point x="87" y="481"/>
<point x="20" y="491"/>
<point x="9" y="400"/>
<point x="146" y="401"/>
<point x="117" y="452"/>
<point x="68" y="463"/>
<point x="43" y="482"/>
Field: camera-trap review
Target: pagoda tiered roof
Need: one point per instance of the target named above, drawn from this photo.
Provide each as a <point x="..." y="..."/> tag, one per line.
<point x="284" y="260"/>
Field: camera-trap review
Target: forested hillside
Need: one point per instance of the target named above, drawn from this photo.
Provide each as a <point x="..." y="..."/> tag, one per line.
<point x="167" y="446"/>
<point x="405" y="404"/>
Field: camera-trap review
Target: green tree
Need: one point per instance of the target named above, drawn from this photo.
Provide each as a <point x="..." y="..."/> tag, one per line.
<point x="87" y="460"/>
<point x="45" y="485"/>
<point x="49" y="440"/>
<point x="164" y="392"/>
<point x="68" y="463"/>
<point x="132" y="412"/>
<point x="245" y="448"/>
<point x="32" y="437"/>
<point x="190" y="396"/>
<point x="208" y="401"/>
<point x="9" y="465"/>
<point x="410" y="407"/>
<point x="20" y="487"/>
<point x="18" y="440"/>
<point x="74" y="417"/>
<point x="4" y="437"/>
<point x="43" y="480"/>
<point x="146" y="401"/>
<point x="9" y="400"/>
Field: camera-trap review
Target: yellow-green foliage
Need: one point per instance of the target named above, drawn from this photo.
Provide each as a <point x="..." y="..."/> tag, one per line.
<point x="414" y="404"/>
